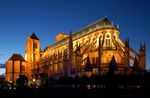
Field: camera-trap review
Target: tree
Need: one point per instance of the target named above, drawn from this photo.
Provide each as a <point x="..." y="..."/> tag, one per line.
<point x="22" y="81"/>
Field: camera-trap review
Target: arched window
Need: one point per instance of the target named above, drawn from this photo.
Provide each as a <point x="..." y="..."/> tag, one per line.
<point x="101" y="39"/>
<point x="107" y="40"/>
<point x="34" y="46"/>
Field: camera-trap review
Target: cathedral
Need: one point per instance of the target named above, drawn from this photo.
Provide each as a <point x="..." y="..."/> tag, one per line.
<point x="87" y="51"/>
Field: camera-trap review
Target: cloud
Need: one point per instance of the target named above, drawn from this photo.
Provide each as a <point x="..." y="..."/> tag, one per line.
<point x="2" y="65"/>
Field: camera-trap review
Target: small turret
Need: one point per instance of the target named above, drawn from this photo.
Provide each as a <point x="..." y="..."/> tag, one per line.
<point x="142" y="57"/>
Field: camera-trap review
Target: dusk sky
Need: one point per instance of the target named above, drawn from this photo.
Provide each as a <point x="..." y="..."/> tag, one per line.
<point x="47" y="18"/>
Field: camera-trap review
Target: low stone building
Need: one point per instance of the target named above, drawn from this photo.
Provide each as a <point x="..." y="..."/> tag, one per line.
<point x="15" y="66"/>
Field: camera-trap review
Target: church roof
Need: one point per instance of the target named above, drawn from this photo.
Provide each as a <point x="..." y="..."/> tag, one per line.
<point x="104" y="22"/>
<point x="99" y="24"/>
<point x="33" y="36"/>
<point x="16" y="57"/>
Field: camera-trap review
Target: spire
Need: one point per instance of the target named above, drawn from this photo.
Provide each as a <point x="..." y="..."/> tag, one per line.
<point x="127" y="42"/>
<point x="112" y="24"/>
<point x="117" y="26"/>
<point x="33" y="36"/>
<point x="128" y="39"/>
<point x="105" y="15"/>
<point x="144" y="46"/>
<point x="141" y="47"/>
<point x="70" y="54"/>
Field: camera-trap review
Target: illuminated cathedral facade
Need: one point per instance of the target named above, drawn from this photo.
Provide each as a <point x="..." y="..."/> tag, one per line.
<point x="85" y="52"/>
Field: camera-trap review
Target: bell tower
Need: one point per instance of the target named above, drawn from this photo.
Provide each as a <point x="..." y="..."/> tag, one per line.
<point x="32" y="52"/>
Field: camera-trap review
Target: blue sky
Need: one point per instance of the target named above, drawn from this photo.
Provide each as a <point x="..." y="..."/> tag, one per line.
<point x="47" y="18"/>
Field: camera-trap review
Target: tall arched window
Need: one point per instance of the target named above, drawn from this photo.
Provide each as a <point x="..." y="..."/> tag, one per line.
<point x="107" y="40"/>
<point x="101" y="39"/>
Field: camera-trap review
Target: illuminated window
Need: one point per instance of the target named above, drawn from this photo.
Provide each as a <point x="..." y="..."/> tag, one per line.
<point x="101" y="39"/>
<point x="107" y="40"/>
<point x="34" y="46"/>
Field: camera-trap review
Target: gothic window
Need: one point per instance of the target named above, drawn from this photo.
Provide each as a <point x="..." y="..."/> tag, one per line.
<point x="101" y="39"/>
<point x="107" y="40"/>
<point x="35" y="45"/>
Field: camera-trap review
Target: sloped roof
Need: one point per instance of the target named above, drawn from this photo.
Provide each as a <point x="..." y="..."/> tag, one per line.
<point x="33" y="36"/>
<point x="99" y="24"/>
<point x="16" y="57"/>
